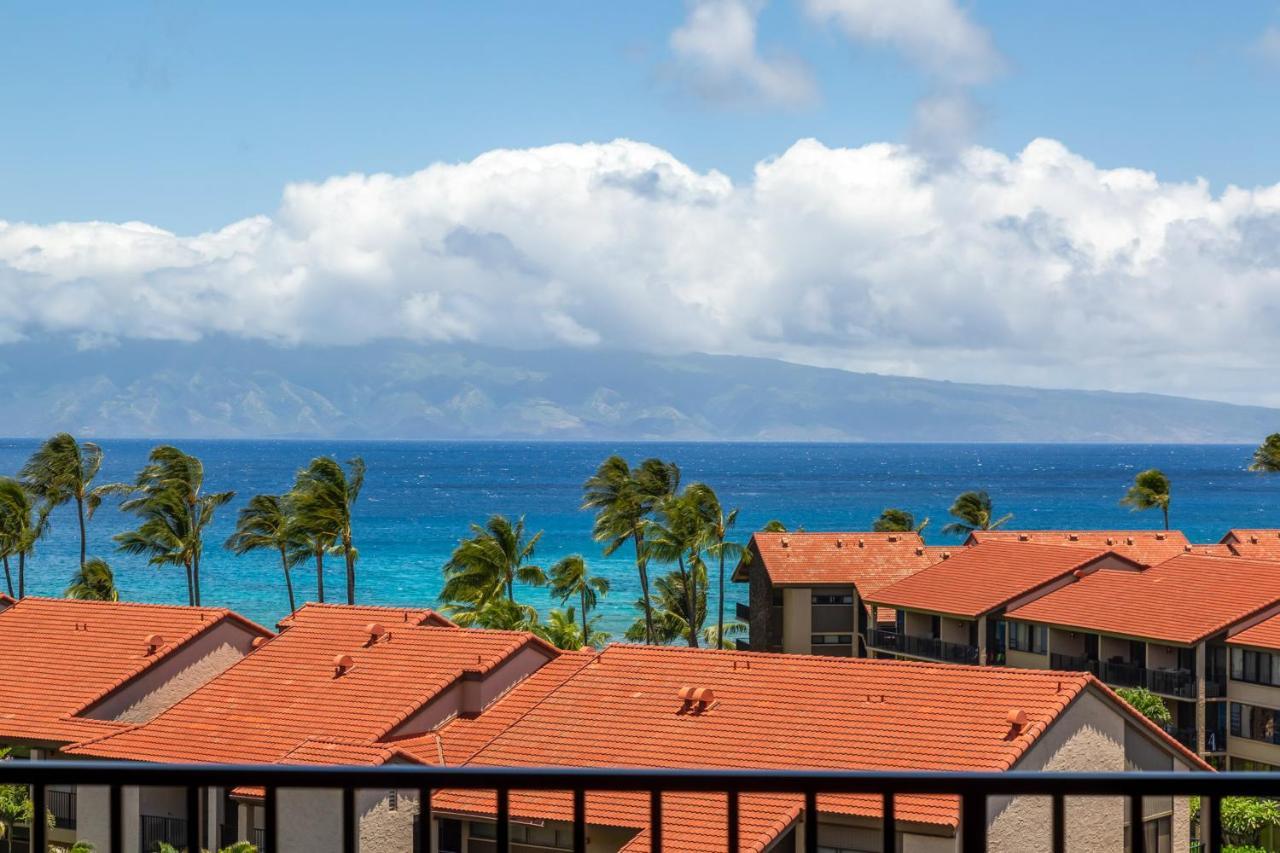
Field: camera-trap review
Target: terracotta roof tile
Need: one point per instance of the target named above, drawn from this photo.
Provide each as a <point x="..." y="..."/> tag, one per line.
<point x="286" y="692"/>
<point x="83" y="651"/>
<point x="981" y="578"/>
<point x="1256" y="544"/>
<point x="1147" y="547"/>
<point x="868" y="560"/>
<point x="1183" y="600"/>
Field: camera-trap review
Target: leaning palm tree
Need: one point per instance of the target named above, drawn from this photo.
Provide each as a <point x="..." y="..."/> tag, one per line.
<point x="63" y="469"/>
<point x="678" y="535"/>
<point x="623" y="498"/>
<point x="487" y="566"/>
<point x="266" y="524"/>
<point x="22" y="524"/>
<point x="94" y="581"/>
<point x="893" y="520"/>
<point x="1150" y="490"/>
<point x="716" y="526"/>
<point x="323" y="497"/>
<point x="570" y="578"/>
<point x="974" y="511"/>
<point x="174" y="511"/>
<point x="1267" y="457"/>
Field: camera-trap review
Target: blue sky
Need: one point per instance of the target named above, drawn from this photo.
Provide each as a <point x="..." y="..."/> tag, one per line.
<point x="987" y="191"/>
<point x="192" y="115"/>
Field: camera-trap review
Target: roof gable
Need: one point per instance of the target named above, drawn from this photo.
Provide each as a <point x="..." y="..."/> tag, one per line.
<point x="869" y="561"/>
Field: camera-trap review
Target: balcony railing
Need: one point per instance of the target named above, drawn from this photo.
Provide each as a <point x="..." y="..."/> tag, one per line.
<point x="924" y="647"/>
<point x="743" y="611"/>
<point x="160" y="829"/>
<point x="1072" y="663"/>
<point x="973" y="790"/>
<point x="62" y="805"/>
<point x="1181" y="684"/>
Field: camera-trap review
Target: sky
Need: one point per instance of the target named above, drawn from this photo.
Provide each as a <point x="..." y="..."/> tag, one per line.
<point x="1081" y="195"/>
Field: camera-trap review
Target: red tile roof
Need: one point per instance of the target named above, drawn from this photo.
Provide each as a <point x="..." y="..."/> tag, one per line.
<point x="1264" y="635"/>
<point x="286" y="694"/>
<point x="868" y="560"/>
<point x="1183" y="600"/>
<point x="1257" y="544"/>
<point x="981" y="578"/>
<point x="66" y="655"/>
<point x="1147" y="547"/>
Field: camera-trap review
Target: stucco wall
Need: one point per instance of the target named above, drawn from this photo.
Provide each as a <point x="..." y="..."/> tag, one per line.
<point x="93" y="815"/>
<point x="917" y="624"/>
<point x="1109" y="647"/>
<point x="955" y="630"/>
<point x="308" y="820"/>
<point x="1066" y="642"/>
<point x="1025" y="660"/>
<point x="797" y="613"/>
<point x="177" y="676"/>
<point x="1253" y="694"/>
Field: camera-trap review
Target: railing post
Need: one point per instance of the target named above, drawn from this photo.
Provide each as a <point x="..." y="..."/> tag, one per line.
<point x="504" y="821"/>
<point x="1212" y="827"/>
<point x="810" y="821"/>
<point x="973" y="821"/>
<point x="1059" y="823"/>
<point x="193" y="818"/>
<point x="348" y="820"/>
<point x="426" y="840"/>
<point x="39" y="825"/>
<point x="269" y="827"/>
<point x="114" y="826"/>
<point x="655" y="821"/>
<point x="731" y="813"/>
<point x="1137" y="833"/>
<point x="579" y="821"/>
<point x="888" y="825"/>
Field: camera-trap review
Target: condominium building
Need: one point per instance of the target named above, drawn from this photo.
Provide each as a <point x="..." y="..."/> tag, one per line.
<point x="369" y="686"/>
<point x="1145" y="547"/>
<point x="807" y="590"/>
<point x="952" y="611"/>
<point x="1253" y="697"/>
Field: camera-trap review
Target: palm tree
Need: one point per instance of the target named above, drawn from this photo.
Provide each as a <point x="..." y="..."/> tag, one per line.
<point x="94" y="581"/>
<point x="716" y="531"/>
<point x="570" y="578"/>
<point x="62" y="470"/>
<point x="672" y="617"/>
<point x="500" y="614"/>
<point x="1150" y="490"/>
<point x="487" y="566"/>
<point x="169" y="499"/>
<point x="1267" y="457"/>
<point x="623" y="499"/>
<point x="773" y="526"/>
<point x="679" y="536"/>
<point x="974" y="511"/>
<point x="266" y="523"/>
<point x="893" y="520"/>
<point x="323" y="496"/>
<point x="21" y="526"/>
<point x="561" y="630"/>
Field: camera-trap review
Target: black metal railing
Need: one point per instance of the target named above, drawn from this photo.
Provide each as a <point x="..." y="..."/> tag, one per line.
<point x="924" y="647"/>
<point x="972" y="789"/>
<point x="1072" y="663"/>
<point x="1178" y="683"/>
<point x="743" y="611"/>
<point x="62" y="805"/>
<point x="160" y="829"/>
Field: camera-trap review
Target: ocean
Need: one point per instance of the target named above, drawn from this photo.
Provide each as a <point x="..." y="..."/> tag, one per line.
<point x="420" y="498"/>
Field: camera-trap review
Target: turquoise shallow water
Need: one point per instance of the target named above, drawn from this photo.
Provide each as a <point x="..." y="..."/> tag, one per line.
<point x="420" y="497"/>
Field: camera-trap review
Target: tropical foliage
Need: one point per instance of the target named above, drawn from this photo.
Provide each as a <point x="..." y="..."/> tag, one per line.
<point x="1147" y="704"/>
<point x="678" y="535"/>
<point x="1150" y="490"/>
<point x="1267" y="457"/>
<point x="624" y="501"/>
<point x="173" y="511"/>
<point x="266" y="523"/>
<point x="1244" y="820"/>
<point x="323" y="497"/>
<point x="717" y="525"/>
<point x="94" y="581"/>
<point x="893" y="520"/>
<point x="63" y="470"/>
<point x="486" y="567"/>
<point x="974" y="511"/>
<point x="570" y="578"/>
<point x="21" y="526"/>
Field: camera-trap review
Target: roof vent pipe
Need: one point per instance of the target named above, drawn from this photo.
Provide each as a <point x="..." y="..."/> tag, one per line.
<point x="154" y="642"/>
<point x="1017" y="719"/>
<point x="342" y="664"/>
<point x="1160" y="537"/>
<point x="375" y="633"/>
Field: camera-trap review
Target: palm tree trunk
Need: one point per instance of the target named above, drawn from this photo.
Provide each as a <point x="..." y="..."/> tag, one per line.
<point x="351" y="569"/>
<point x="22" y="574"/>
<point x="720" y="621"/>
<point x="195" y="576"/>
<point x="191" y="590"/>
<point x="690" y="598"/>
<point x="288" y="580"/>
<point x="83" y="543"/>
<point x="320" y="573"/>
<point x="643" y="571"/>
<point x="583" y="594"/>
<point x="1166" y="517"/>
<point x="8" y="580"/>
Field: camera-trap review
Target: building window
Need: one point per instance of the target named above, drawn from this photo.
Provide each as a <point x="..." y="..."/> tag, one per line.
<point x="1255" y="667"/>
<point x="832" y="639"/>
<point x="523" y="833"/>
<point x="1254" y="723"/>
<point x="832" y="599"/>
<point x="1244" y="765"/>
<point x="1158" y="833"/>
<point x="1022" y="637"/>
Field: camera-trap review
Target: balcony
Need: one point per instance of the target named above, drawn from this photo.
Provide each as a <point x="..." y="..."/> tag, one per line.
<point x="156" y="830"/>
<point x="62" y="805"/>
<point x="1180" y="683"/>
<point x="744" y="612"/>
<point x="972" y="789"/>
<point x="1072" y="663"/>
<point x="924" y="647"/>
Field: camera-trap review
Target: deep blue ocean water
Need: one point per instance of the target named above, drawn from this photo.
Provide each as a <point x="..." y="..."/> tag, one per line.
<point x="420" y="498"/>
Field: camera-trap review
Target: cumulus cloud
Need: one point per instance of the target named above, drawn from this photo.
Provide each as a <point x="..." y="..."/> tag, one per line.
<point x="935" y="36"/>
<point x="1040" y="268"/>
<point x="718" y="57"/>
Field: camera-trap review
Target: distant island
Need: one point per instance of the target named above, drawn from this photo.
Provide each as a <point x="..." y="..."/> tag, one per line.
<point x="234" y="388"/>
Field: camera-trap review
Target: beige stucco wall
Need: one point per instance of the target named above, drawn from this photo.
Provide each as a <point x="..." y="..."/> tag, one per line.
<point x="93" y="815"/>
<point x="1161" y="657"/>
<point x="1026" y="660"/>
<point x="1253" y="750"/>
<point x="177" y="676"/>
<point x="1066" y="642"/>
<point x="797" y="616"/>
<point x="1253" y="694"/>
<point x="954" y="630"/>
<point x="917" y="624"/>
<point x="1109" y="647"/>
<point x="308" y="820"/>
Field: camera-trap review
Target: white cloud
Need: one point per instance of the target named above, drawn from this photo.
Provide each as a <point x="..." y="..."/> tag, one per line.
<point x="938" y="38"/>
<point x="1038" y="268"/>
<point x="1268" y="45"/>
<point x="719" y="58"/>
